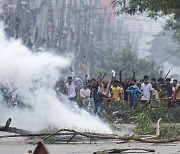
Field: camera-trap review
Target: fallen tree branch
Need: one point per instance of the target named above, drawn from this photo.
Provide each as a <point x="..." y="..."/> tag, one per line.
<point x="6" y="128"/>
<point x="32" y="135"/>
<point x="67" y="132"/>
<point x="122" y="150"/>
<point x="8" y="122"/>
<point x="71" y="138"/>
<point x="156" y="141"/>
<point x="115" y="136"/>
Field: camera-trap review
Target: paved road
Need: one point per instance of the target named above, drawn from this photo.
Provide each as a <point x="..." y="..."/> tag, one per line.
<point x="21" y="146"/>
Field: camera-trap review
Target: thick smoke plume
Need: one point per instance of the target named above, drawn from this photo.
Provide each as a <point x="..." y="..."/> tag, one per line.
<point x="33" y="76"/>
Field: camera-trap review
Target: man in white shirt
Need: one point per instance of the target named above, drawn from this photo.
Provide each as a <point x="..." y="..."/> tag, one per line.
<point x="71" y="88"/>
<point x="147" y="89"/>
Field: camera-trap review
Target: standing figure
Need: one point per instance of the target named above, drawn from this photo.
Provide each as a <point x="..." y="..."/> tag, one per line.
<point x="177" y="95"/>
<point x="85" y="96"/>
<point x="147" y="90"/>
<point x="71" y="89"/>
<point x="98" y="100"/>
<point x="134" y="92"/>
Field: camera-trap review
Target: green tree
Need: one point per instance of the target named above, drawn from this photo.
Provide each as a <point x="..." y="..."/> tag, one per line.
<point x="154" y="9"/>
<point x="106" y="59"/>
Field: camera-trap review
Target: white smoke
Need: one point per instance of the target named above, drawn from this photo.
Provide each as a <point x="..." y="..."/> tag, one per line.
<point x="174" y="70"/>
<point x="23" y="70"/>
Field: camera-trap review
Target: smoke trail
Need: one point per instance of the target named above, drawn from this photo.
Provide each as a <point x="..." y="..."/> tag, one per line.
<point x="33" y="75"/>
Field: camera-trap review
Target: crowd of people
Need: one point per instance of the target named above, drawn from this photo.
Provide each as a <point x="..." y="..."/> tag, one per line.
<point x="96" y="93"/>
<point x="8" y="97"/>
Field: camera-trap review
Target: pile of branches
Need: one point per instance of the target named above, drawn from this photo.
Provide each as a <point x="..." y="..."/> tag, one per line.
<point x="89" y="135"/>
<point x="170" y="115"/>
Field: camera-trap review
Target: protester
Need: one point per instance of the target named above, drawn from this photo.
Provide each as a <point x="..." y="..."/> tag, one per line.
<point x="173" y="100"/>
<point x="169" y="89"/>
<point x="85" y="96"/>
<point x="177" y="95"/>
<point x="125" y="84"/>
<point x="117" y="92"/>
<point x="60" y="87"/>
<point x="105" y="86"/>
<point x="98" y="100"/>
<point x="71" y="87"/>
<point x="163" y="96"/>
<point x="147" y="89"/>
<point x="134" y="92"/>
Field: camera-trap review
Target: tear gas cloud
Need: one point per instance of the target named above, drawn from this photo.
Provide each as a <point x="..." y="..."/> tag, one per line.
<point x="33" y="76"/>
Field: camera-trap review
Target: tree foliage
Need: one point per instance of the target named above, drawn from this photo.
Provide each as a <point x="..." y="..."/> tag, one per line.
<point x="154" y="9"/>
<point x="106" y="59"/>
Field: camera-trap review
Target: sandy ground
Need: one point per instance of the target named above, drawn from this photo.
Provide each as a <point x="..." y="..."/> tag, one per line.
<point x="21" y="146"/>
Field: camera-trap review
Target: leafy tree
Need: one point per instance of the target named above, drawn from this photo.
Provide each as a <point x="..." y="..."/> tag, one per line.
<point x="106" y="59"/>
<point x="154" y="9"/>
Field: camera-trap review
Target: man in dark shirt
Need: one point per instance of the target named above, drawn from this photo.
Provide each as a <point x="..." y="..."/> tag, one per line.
<point x="169" y="87"/>
<point x="60" y="87"/>
<point x="98" y="100"/>
<point x="126" y="84"/>
<point x="169" y="90"/>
